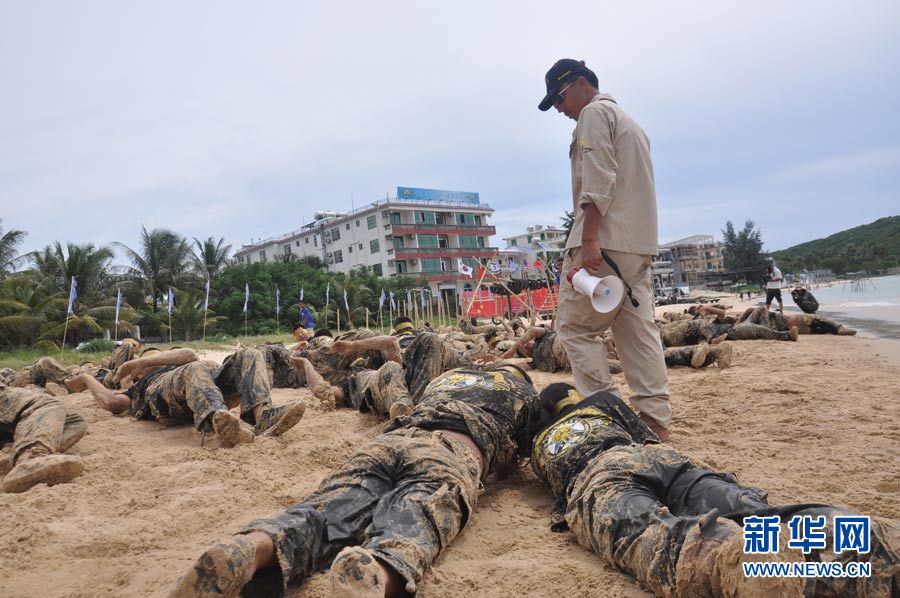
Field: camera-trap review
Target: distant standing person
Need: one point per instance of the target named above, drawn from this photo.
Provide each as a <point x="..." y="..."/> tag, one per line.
<point x="614" y="204"/>
<point x="307" y="325"/>
<point x="773" y="287"/>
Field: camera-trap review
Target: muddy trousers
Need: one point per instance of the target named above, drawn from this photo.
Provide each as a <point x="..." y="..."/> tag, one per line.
<point x="753" y="332"/>
<point x="193" y="392"/>
<point x="676" y="356"/>
<point x="639" y="507"/>
<point x="428" y="357"/>
<point x="38" y="423"/>
<point x="377" y="390"/>
<point x="404" y="496"/>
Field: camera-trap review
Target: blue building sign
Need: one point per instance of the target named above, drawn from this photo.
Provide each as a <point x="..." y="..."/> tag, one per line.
<point x="412" y="193"/>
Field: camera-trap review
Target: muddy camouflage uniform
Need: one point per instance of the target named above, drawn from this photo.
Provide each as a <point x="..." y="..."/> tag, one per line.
<point x="278" y="360"/>
<point x="693" y="332"/>
<point x="639" y="504"/>
<point x="676" y="356"/>
<point x="376" y="390"/>
<point x="548" y="354"/>
<point x="334" y="368"/>
<point x="37" y="423"/>
<point x="430" y="355"/>
<point x="191" y="393"/>
<point x="406" y="494"/>
<point x="121" y="354"/>
<point x="44" y="370"/>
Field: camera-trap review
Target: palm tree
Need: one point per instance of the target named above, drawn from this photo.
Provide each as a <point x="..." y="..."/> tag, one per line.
<point x="89" y="265"/>
<point x="25" y="310"/>
<point x="161" y="262"/>
<point x="187" y="316"/>
<point x="9" y="245"/>
<point x="210" y="257"/>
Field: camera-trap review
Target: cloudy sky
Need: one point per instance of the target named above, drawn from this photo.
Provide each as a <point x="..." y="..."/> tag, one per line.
<point x="240" y="119"/>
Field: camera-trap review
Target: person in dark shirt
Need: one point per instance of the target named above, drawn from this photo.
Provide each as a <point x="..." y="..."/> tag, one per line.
<point x="380" y="520"/>
<point x="173" y="387"/>
<point x="668" y="520"/>
<point x="805" y="300"/>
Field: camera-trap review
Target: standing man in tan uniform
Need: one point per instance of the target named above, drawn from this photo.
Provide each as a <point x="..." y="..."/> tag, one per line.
<point x="614" y="201"/>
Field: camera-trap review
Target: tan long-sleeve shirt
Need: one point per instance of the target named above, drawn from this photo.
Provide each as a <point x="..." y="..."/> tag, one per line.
<point x="611" y="168"/>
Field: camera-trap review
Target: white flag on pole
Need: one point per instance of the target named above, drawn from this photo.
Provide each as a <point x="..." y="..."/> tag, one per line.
<point x="301" y="293"/>
<point x="408" y="298"/>
<point x="73" y="294"/>
<point x="422" y="302"/>
<point x="463" y="268"/>
<point x="206" y="300"/>
<point x="381" y="300"/>
<point x="346" y="305"/>
<point x="171" y="301"/>
<point x="495" y="267"/>
<point x="513" y="266"/>
<point x="328" y="294"/>
<point x="277" y="301"/>
<point x="393" y="304"/>
<point x="118" y="304"/>
<point x="246" y="295"/>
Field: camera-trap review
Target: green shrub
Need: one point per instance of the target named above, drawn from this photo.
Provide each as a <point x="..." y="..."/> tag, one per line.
<point x="98" y="345"/>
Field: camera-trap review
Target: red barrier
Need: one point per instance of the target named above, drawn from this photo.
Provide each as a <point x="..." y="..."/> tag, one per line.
<point x="488" y="305"/>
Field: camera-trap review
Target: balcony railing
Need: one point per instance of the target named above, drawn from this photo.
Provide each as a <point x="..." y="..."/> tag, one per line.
<point x="404" y="253"/>
<point x="425" y="228"/>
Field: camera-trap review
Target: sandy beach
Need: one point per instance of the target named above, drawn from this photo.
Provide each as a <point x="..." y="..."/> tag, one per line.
<point x="810" y="421"/>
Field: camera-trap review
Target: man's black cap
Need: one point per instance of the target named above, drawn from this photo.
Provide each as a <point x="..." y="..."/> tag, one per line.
<point x="562" y="72"/>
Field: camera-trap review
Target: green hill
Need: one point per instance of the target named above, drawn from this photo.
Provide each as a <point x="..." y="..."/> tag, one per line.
<point x="869" y="247"/>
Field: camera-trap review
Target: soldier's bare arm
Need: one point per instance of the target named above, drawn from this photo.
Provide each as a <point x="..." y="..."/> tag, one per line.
<point x="107" y="399"/>
<point x="388" y="344"/>
<point x="170" y="357"/>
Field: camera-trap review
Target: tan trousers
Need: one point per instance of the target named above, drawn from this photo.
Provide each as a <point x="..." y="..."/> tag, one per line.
<point x="637" y="339"/>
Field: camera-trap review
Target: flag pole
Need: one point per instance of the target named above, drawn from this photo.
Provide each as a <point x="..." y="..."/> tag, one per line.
<point x="205" y="309"/>
<point x="367" y="317"/>
<point x="65" y="330"/>
<point x="338" y="314"/>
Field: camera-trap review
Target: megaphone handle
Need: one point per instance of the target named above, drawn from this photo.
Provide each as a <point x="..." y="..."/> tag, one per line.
<point x="615" y="268"/>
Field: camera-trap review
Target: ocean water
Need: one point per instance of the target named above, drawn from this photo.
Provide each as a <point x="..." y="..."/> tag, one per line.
<point x="872" y="306"/>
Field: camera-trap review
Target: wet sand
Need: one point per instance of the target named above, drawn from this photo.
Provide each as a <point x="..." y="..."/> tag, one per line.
<point x="810" y="421"/>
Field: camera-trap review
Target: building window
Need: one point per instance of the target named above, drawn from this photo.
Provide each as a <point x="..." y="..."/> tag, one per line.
<point x="370" y="222"/>
<point x="335" y="234"/>
<point x="513" y="243"/>
<point x="305" y="241"/>
<point x="360" y="246"/>
<point x="424" y="217"/>
<point x="262" y="256"/>
<point x="350" y="249"/>
<point x="338" y="256"/>
<point x="468" y="241"/>
<point x="348" y="226"/>
<point x="481" y="242"/>
<point x="478" y="220"/>
<point x="443" y="241"/>
<point x="398" y="242"/>
<point x="528" y="239"/>
<point x="428" y="240"/>
<point x="376" y="270"/>
<point x="298" y="242"/>
<point x="373" y="246"/>
<point x="431" y="265"/>
<point x="395" y="218"/>
<point x="401" y="266"/>
<point x="465" y="219"/>
<point x="357" y="223"/>
<point x="287" y="249"/>
<point x="315" y="241"/>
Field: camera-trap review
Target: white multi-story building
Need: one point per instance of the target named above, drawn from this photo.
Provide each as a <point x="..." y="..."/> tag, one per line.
<point x="538" y="241"/>
<point x="420" y="233"/>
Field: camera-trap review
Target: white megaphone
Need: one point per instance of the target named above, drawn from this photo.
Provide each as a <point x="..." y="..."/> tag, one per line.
<point x="607" y="293"/>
